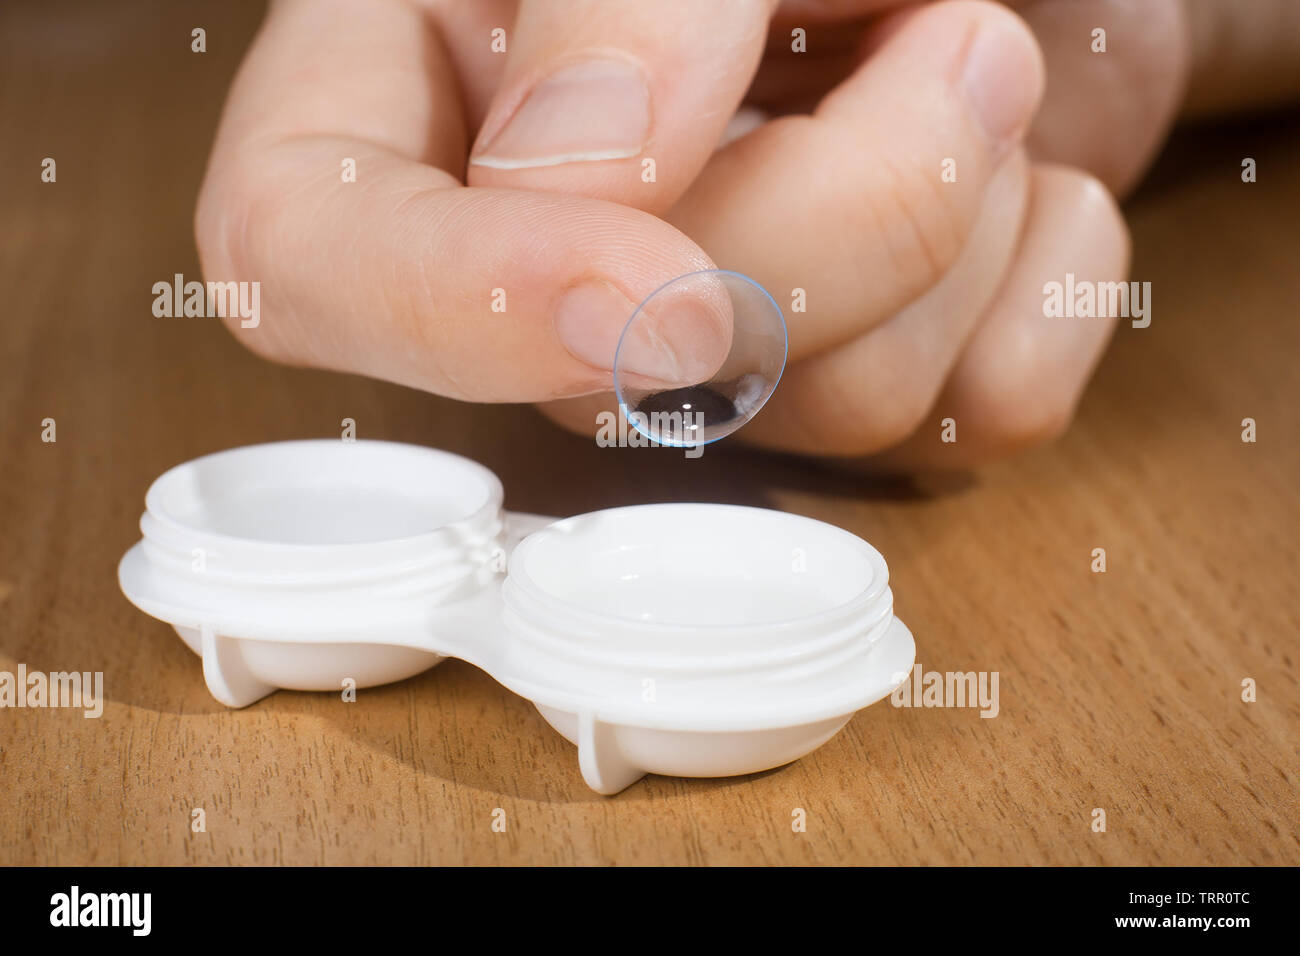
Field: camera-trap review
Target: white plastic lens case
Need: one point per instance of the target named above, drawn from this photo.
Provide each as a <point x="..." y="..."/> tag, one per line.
<point x="693" y="640"/>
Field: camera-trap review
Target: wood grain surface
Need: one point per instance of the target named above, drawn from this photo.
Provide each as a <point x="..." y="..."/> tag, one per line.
<point x="1120" y="691"/>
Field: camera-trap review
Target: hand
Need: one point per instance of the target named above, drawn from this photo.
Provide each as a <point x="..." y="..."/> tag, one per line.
<point x="924" y="296"/>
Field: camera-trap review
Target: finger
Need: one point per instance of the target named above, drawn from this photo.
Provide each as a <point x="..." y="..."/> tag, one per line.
<point x="595" y="90"/>
<point x="1022" y="374"/>
<point x="854" y="204"/>
<point x="1108" y="108"/>
<point x="872" y="392"/>
<point x="403" y="274"/>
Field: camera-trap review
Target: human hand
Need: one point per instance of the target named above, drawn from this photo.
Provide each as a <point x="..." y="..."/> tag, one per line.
<point x="923" y="295"/>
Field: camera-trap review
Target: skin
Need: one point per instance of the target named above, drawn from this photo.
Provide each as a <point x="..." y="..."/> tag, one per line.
<point x="924" y="297"/>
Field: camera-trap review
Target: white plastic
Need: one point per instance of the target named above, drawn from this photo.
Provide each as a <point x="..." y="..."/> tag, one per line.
<point x="682" y="639"/>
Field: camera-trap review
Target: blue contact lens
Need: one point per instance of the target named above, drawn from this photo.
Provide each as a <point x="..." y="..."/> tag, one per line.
<point x="699" y="357"/>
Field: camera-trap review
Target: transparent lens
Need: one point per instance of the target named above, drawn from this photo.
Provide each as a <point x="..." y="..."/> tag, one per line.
<point x="699" y="357"/>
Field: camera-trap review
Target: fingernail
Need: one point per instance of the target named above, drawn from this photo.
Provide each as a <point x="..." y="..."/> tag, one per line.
<point x="1003" y="80"/>
<point x="677" y="345"/>
<point x="586" y="112"/>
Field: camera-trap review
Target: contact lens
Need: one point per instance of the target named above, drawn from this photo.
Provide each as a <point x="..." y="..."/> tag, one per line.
<point x="699" y="357"/>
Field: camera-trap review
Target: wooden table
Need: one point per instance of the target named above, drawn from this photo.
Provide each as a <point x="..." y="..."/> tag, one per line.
<point x="1120" y="691"/>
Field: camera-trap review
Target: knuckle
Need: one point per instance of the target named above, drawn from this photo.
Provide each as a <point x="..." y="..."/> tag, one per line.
<point x="917" y="221"/>
<point x="219" y="218"/>
<point x="237" y="221"/>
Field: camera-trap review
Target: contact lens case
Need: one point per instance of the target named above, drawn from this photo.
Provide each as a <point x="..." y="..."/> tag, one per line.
<point x="692" y="640"/>
<point x="695" y="640"/>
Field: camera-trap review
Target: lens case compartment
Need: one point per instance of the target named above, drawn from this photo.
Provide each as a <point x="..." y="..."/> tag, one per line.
<point x="681" y="639"/>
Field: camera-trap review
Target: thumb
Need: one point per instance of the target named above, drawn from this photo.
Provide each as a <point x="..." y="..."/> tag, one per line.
<point x="485" y="295"/>
<point x="618" y="99"/>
